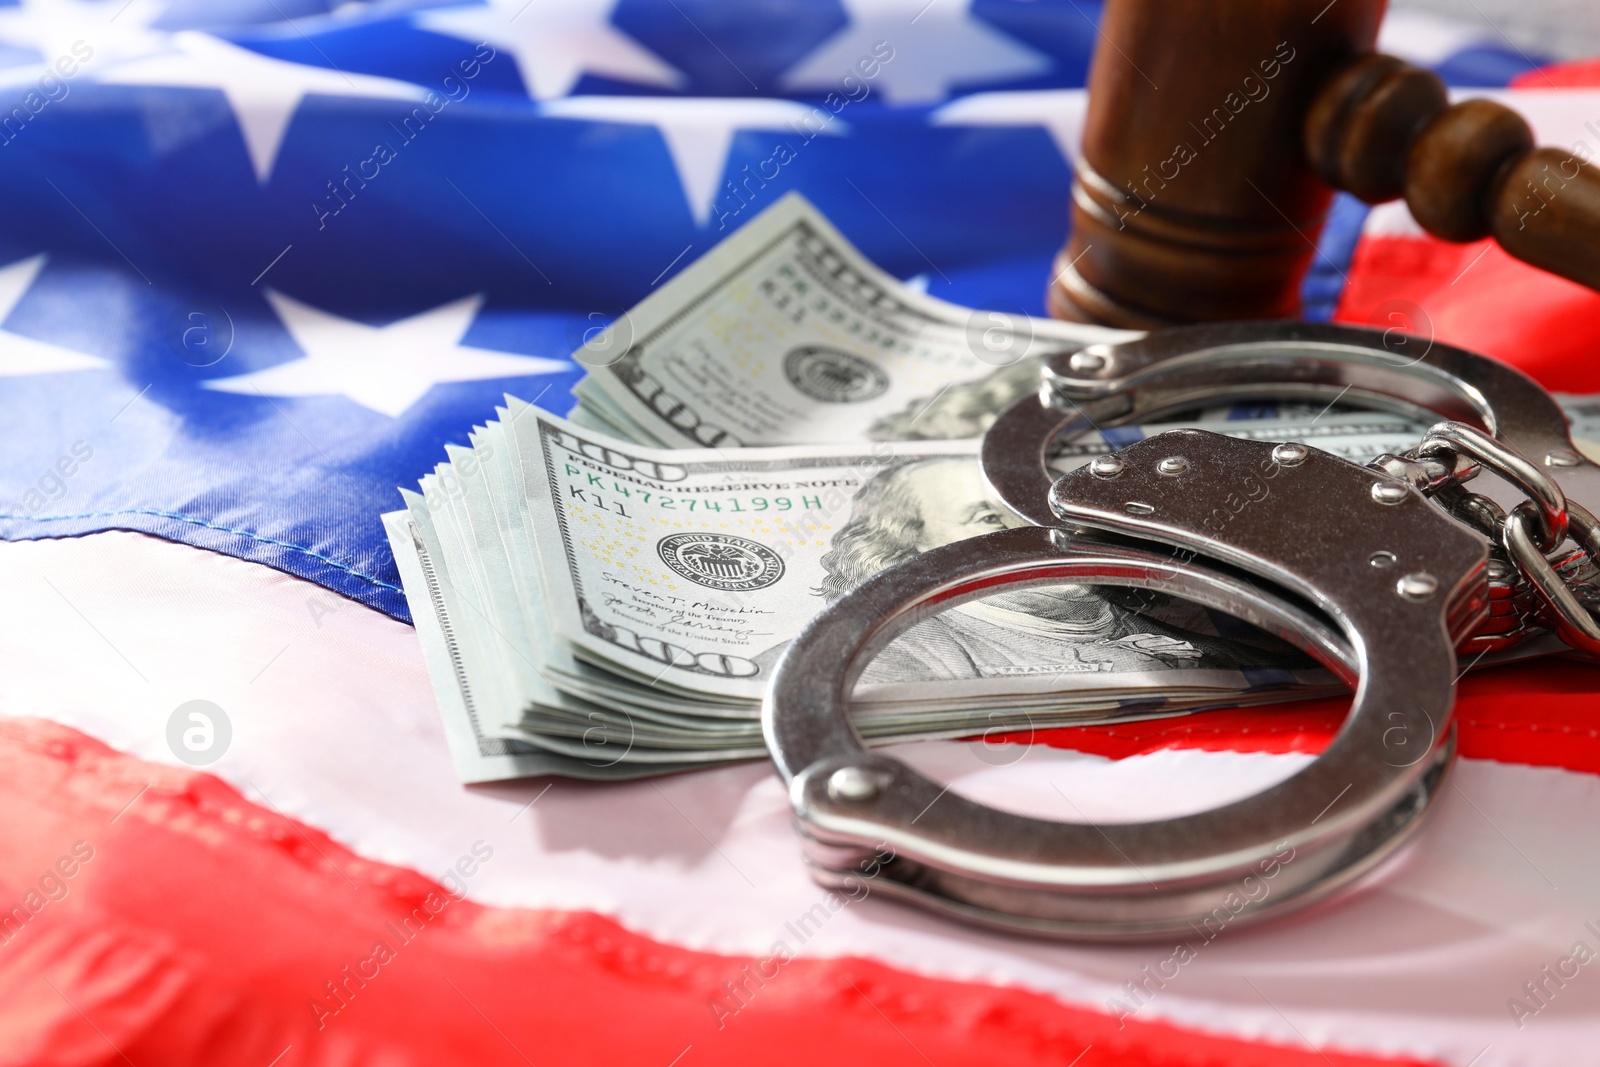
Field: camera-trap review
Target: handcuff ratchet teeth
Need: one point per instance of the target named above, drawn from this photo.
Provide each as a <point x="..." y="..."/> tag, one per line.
<point x="1355" y="565"/>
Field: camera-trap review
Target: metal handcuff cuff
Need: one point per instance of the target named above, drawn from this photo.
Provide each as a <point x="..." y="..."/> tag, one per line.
<point x="1352" y="564"/>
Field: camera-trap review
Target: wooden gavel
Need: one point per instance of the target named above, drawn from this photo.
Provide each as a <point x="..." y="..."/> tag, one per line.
<point x="1218" y="130"/>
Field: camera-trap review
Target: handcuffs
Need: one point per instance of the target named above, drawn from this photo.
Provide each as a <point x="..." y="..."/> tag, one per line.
<point x="1383" y="573"/>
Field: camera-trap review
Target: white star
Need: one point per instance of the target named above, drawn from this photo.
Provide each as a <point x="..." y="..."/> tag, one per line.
<point x="698" y="131"/>
<point x="385" y="368"/>
<point x="21" y="355"/>
<point x="937" y="44"/>
<point x="263" y="92"/>
<point x="1059" y="111"/>
<point x="83" y="32"/>
<point x="555" y="42"/>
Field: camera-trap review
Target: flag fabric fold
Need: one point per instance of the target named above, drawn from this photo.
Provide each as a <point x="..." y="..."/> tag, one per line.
<point x="262" y="262"/>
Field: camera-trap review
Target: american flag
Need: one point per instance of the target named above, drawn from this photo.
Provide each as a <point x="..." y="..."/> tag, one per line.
<point x="261" y="261"/>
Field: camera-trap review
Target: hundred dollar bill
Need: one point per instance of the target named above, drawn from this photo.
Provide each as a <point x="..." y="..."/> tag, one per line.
<point x="690" y="571"/>
<point x="584" y="701"/>
<point x="468" y="690"/>
<point x="607" y="596"/>
<point x="785" y="334"/>
<point x="1583" y="418"/>
<point x="594" y="608"/>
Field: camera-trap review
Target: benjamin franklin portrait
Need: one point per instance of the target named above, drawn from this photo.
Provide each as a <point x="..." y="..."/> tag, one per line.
<point x="965" y="409"/>
<point x="918" y="505"/>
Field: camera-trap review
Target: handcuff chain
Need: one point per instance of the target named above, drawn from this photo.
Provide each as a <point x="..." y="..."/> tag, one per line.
<point x="1450" y="454"/>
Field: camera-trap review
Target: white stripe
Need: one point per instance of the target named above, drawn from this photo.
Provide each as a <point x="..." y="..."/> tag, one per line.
<point x="1392" y="219"/>
<point x="333" y="717"/>
<point x="1564" y="118"/>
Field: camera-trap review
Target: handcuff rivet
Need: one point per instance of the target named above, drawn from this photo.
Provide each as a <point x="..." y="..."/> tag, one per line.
<point x="1561" y="457"/>
<point x="1088" y="361"/>
<point x="852" y="783"/>
<point x="1172" y="466"/>
<point x="1417" y="586"/>
<point x="1290" y="454"/>
<point x="1106" y="466"/>
<point x="1388" y="492"/>
<point x="1383" y="559"/>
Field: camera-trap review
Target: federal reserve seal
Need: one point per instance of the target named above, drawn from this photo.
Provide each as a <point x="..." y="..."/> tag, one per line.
<point x="721" y="561"/>
<point x="833" y="376"/>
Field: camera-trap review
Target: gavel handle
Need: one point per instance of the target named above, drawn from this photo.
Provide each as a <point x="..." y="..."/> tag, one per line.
<point x="1381" y="129"/>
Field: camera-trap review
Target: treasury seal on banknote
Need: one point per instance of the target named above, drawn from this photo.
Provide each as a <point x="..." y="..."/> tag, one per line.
<point x="833" y="375"/>
<point x="721" y="561"/>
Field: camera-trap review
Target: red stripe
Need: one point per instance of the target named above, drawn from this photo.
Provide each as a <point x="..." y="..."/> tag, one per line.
<point x="1579" y="74"/>
<point x="1478" y="297"/>
<point x="1546" y="714"/>
<point x="204" y="926"/>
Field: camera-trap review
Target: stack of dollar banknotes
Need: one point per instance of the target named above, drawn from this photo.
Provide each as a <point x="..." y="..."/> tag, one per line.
<point x="606" y="595"/>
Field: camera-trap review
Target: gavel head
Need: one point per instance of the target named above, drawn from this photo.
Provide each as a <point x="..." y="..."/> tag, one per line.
<point x="1195" y="198"/>
<point x="1217" y="131"/>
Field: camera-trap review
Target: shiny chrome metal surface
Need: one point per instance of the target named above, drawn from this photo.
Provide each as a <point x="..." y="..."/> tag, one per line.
<point x="1573" y="620"/>
<point x="1451" y="440"/>
<point x="1292" y="542"/>
<point x="1186" y="367"/>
